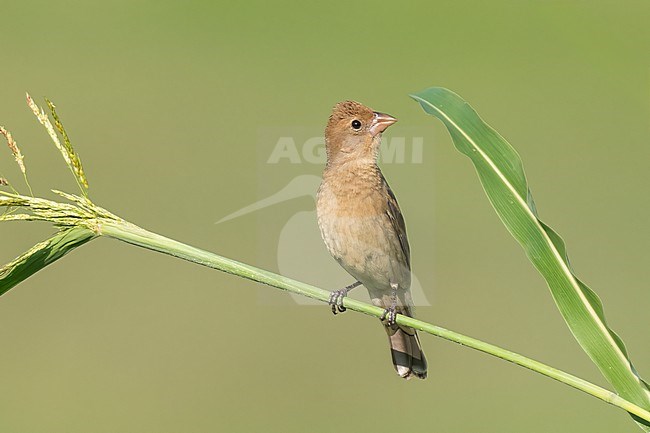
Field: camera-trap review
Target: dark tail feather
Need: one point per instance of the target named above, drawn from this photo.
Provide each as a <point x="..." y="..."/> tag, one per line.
<point x="406" y="352"/>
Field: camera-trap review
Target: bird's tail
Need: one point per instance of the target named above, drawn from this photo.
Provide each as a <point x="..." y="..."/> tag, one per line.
<point x="405" y="349"/>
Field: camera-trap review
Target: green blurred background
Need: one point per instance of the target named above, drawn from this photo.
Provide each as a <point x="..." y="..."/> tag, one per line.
<point x="170" y="105"/>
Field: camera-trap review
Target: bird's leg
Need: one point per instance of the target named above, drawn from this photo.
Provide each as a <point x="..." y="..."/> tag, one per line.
<point x="390" y="313"/>
<point x="336" y="298"/>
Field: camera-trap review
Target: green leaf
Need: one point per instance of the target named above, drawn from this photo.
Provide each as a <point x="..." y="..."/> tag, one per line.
<point x="502" y="175"/>
<point x="41" y="255"/>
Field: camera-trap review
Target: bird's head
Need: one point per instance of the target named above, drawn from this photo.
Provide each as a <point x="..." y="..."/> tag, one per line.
<point x="354" y="132"/>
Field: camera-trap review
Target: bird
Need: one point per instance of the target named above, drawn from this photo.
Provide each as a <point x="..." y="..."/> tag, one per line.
<point x="363" y="228"/>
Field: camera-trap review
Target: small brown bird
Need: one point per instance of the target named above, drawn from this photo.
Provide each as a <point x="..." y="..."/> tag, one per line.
<point x="363" y="228"/>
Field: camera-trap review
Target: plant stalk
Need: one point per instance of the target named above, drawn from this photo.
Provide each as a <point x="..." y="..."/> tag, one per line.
<point x="135" y="235"/>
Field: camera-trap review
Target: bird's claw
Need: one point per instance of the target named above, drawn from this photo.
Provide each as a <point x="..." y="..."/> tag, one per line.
<point x="336" y="301"/>
<point x="390" y="316"/>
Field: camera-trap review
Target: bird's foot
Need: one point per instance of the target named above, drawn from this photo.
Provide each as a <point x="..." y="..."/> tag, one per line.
<point x="390" y="315"/>
<point x="336" y="300"/>
<point x="337" y="296"/>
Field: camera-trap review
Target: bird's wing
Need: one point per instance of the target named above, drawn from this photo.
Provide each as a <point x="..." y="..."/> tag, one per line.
<point x="397" y="220"/>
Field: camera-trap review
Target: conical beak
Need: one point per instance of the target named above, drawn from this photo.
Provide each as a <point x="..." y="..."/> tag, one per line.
<point x="380" y="122"/>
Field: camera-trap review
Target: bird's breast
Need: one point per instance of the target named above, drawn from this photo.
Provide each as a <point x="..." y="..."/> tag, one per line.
<point x="355" y="227"/>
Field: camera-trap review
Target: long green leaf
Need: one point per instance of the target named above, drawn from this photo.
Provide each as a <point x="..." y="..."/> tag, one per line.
<point x="41" y="255"/>
<point x="501" y="172"/>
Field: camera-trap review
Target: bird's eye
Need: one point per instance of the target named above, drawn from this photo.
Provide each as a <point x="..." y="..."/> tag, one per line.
<point x="356" y="124"/>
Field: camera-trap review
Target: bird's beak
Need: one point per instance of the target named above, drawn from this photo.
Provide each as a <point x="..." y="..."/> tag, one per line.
<point x="380" y="122"/>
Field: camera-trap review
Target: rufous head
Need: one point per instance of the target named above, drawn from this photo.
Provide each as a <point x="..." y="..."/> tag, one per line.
<point x="354" y="132"/>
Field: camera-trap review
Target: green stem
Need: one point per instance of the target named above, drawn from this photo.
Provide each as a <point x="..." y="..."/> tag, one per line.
<point x="29" y="187"/>
<point x="137" y="236"/>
